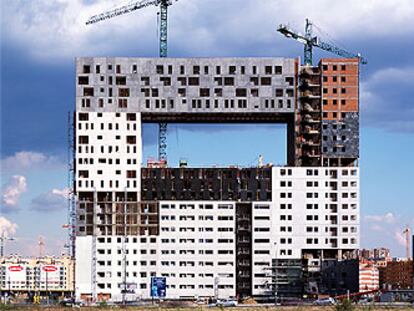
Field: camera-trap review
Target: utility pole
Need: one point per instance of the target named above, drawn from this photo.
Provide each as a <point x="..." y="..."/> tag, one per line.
<point x="47" y="288"/>
<point x="124" y="249"/>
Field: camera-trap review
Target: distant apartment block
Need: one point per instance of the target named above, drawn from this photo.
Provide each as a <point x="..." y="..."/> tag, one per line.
<point x="397" y="275"/>
<point x="30" y="275"/>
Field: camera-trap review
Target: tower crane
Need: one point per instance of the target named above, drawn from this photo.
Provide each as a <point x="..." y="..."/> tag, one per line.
<point x="407" y="233"/>
<point x="310" y="41"/>
<point x="163" y="48"/>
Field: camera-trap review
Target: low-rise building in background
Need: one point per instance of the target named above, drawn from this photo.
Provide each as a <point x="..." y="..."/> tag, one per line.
<point x="29" y="276"/>
<point x="349" y="276"/>
<point x="397" y="274"/>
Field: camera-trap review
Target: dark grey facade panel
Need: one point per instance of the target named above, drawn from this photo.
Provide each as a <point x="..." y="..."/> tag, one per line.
<point x="203" y="184"/>
<point x="340" y="139"/>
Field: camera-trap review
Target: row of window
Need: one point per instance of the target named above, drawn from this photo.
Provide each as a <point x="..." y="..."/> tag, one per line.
<point x="185" y="69"/>
<point x="110" y="126"/>
<point x="218" y="92"/>
<point x="84" y="116"/>
<point x="104" y="161"/>
<point x="173" y="286"/>
<point x="334" y="114"/>
<point x="326" y="67"/>
<point x="108" y="183"/>
<point x="91" y="149"/>
<point x="330" y="241"/>
<point x="334" y="102"/>
<point x="334" y="78"/>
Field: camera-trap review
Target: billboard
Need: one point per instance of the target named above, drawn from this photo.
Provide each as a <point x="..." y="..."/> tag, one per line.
<point x="16" y="273"/>
<point x="158" y="287"/>
<point x="51" y="273"/>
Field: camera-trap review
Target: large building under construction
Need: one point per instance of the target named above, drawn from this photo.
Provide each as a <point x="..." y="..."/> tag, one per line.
<point x="213" y="232"/>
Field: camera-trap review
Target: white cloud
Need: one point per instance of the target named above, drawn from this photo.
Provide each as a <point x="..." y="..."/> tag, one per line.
<point x="7" y="227"/>
<point x="64" y="193"/>
<point x="388" y="218"/>
<point x="56" y="28"/>
<point x="24" y="160"/>
<point x="54" y="200"/>
<point x="12" y="191"/>
<point x="386" y="99"/>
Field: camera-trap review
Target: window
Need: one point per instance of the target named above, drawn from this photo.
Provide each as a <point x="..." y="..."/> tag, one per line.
<point x="279" y="92"/>
<point x="86" y="69"/>
<point x="88" y="91"/>
<point x="83" y="80"/>
<point x="120" y="80"/>
<point x="278" y="70"/>
<point x="228" y="81"/>
<point x="266" y="81"/>
<point x="160" y="69"/>
<point x="123" y="92"/>
<point x="289" y="80"/>
<point x="241" y="92"/>
<point x="204" y="92"/>
<point x="193" y="81"/>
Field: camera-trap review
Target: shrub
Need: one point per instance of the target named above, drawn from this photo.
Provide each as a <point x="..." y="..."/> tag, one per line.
<point x="345" y="305"/>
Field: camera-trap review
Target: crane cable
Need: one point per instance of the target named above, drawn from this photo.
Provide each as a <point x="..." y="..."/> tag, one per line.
<point x="329" y="37"/>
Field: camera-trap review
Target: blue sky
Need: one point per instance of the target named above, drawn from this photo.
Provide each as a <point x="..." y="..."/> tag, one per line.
<point x="40" y="38"/>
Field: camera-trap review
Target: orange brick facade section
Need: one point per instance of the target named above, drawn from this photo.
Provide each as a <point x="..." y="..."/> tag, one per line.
<point x="340" y="82"/>
<point x="397" y="275"/>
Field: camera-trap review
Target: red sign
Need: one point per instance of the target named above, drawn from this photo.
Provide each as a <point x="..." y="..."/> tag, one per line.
<point x="15" y="268"/>
<point x="49" y="268"/>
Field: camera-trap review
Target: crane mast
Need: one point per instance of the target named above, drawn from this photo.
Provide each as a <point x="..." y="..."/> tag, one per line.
<point x="309" y="41"/>
<point x="407" y="233"/>
<point x="163" y="47"/>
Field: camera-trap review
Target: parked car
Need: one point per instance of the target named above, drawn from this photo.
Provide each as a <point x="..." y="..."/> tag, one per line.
<point x="366" y="301"/>
<point x="223" y="303"/>
<point x="325" y="302"/>
<point x="227" y="303"/>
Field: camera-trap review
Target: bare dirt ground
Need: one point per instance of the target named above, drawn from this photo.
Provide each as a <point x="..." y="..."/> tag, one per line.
<point x="204" y="308"/>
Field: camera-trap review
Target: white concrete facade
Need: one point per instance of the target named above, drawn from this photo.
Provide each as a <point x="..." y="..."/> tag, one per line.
<point x="196" y="243"/>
